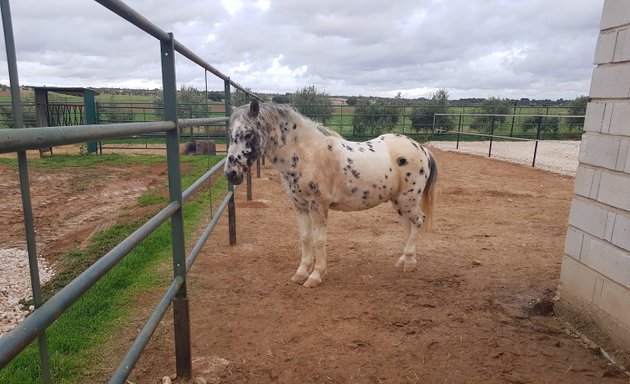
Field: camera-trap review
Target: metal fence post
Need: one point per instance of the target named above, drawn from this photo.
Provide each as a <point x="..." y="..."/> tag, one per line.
<point x="231" y="204"/>
<point x="29" y="226"/>
<point x="459" y="130"/>
<point x="538" y="129"/>
<point x="249" y="184"/>
<point x="183" y="358"/>
<point x="491" y="135"/>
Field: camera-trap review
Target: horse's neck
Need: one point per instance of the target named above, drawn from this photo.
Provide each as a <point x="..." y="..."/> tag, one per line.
<point x="282" y="139"/>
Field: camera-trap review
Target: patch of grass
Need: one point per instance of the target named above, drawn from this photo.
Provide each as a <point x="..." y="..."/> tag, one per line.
<point x="152" y="198"/>
<point x="76" y="338"/>
<point x="85" y="161"/>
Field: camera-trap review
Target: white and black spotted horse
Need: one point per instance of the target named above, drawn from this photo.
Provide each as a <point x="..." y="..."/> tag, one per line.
<point x="321" y="171"/>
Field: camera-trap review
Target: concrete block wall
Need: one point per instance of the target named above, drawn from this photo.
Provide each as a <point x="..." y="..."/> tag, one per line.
<point x="595" y="276"/>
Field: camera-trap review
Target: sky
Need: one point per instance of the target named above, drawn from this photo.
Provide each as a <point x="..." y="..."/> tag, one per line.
<point x="537" y="49"/>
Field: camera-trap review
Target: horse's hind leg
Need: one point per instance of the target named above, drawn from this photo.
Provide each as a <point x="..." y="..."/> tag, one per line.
<point x="306" y="238"/>
<point x="413" y="219"/>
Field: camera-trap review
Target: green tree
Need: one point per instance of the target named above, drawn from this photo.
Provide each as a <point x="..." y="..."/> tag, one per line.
<point x="352" y="100"/>
<point x="281" y="99"/>
<point x="313" y="103"/>
<point x="191" y="102"/>
<point x="374" y="118"/>
<point x="113" y="112"/>
<point x="491" y="106"/>
<point x="239" y="98"/>
<point x="28" y="114"/>
<point x="547" y="124"/>
<point x="577" y="107"/>
<point x="423" y="114"/>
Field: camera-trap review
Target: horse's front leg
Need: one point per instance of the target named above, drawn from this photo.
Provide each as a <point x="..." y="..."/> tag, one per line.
<point x="306" y="238"/>
<point x="318" y="217"/>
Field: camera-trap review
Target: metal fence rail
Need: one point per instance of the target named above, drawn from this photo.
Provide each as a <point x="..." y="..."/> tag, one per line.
<point x="21" y="139"/>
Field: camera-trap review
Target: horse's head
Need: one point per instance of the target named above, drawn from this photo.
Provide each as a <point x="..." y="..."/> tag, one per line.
<point x="245" y="142"/>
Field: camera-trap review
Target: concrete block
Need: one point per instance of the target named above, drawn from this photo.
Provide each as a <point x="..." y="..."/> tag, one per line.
<point x="620" y="119"/>
<point x="611" y="81"/>
<point x="621" y="232"/>
<point x="595" y="117"/>
<point x="588" y="217"/>
<point x="578" y="279"/>
<point x="573" y="243"/>
<point x="599" y="150"/>
<point x="614" y="189"/>
<point x="597" y="176"/>
<point x="624" y="146"/>
<point x="610" y="225"/>
<point x="605" y="48"/>
<point x="608" y="260"/>
<point x="622" y="45"/>
<point x="583" y="180"/>
<point x="614" y="300"/>
<point x="615" y="13"/>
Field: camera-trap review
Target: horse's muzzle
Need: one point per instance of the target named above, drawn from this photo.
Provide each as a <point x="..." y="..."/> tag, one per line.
<point x="234" y="177"/>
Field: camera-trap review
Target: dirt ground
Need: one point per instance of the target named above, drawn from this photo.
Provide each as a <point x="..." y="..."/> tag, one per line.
<point x="477" y="310"/>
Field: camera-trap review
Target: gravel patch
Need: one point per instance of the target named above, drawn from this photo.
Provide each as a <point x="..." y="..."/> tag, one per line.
<point x="552" y="155"/>
<point x="15" y="285"/>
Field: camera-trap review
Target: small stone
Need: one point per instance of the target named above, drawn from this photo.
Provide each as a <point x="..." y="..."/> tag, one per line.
<point x="476" y="262"/>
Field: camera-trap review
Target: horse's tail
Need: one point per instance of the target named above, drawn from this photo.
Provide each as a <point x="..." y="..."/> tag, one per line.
<point x="428" y="195"/>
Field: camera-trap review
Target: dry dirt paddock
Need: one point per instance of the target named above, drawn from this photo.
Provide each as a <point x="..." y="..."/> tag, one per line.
<point x="477" y="309"/>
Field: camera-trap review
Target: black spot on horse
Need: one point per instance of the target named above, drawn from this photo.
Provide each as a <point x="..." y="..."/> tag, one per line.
<point x="294" y="160"/>
<point x="399" y="213"/>
<point x="294" y="126"/>
<point x="330" y="147"/>
<point x="355" y="173"/>
<point x="361" y="149"/>
<point x="408" y="174"/>
<point x="315" y="188"/>
<point x="422" y="170"/>
<point x="401" y="161"/>
<point x="350" y="161"/>
<point x="354" y="190"/>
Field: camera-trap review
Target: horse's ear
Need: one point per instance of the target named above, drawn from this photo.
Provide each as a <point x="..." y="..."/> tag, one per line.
<point x="254" y="108"/>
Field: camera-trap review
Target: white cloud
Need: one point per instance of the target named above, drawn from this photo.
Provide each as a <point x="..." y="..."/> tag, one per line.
<point x="518" y="48"/>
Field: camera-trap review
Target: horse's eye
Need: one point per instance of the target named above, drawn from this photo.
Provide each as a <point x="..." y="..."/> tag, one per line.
<point x="247" y="136"/>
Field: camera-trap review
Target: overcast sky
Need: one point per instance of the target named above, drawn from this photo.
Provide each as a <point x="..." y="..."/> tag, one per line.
<point x="473" y="48"/>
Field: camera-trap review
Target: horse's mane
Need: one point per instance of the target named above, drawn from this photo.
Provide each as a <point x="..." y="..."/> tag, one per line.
<point x="271" y="111"/>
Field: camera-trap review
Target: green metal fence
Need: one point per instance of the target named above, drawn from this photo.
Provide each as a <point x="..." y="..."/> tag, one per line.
<point x="21" y="139"/>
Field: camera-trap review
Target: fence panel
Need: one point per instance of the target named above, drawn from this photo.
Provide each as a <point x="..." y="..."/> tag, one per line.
<point x="21" y="139"/>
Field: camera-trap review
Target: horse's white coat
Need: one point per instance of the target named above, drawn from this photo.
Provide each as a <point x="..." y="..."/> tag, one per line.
<point x="322" y="171"/>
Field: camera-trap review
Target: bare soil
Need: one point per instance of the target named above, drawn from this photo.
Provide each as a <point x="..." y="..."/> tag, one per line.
<point x="479" y="309"/>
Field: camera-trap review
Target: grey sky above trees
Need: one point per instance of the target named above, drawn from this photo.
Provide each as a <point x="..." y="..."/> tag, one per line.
<point x="501" y="48"/>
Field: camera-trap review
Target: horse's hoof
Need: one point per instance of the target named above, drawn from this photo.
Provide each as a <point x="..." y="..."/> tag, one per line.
<point x="299" y="279"/>
<point x="312" y="283"/>
<point x="409" y="267"/>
